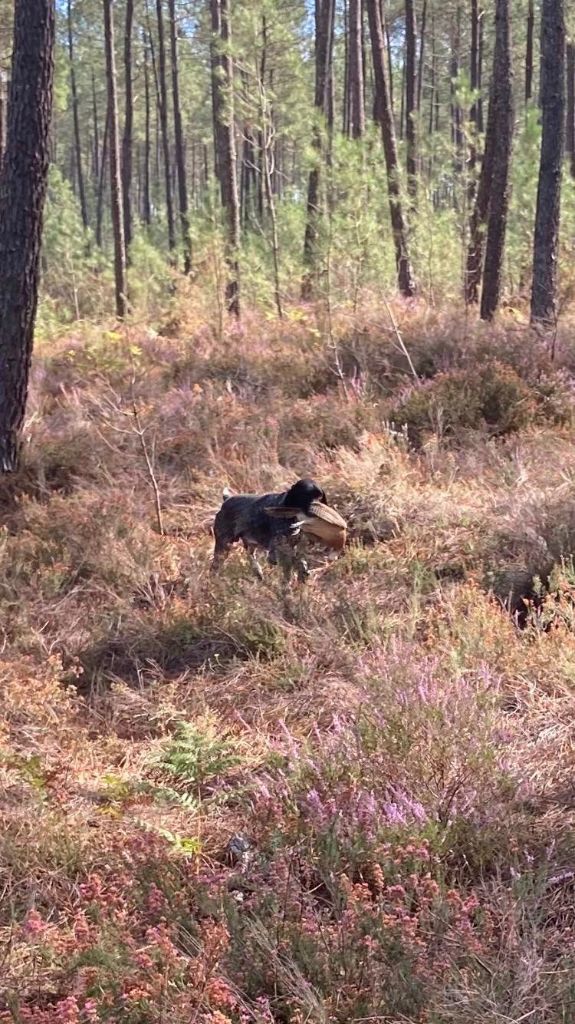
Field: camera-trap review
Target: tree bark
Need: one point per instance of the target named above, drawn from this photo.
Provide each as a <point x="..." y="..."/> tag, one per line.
<point x="76" y="120"/>
<point x="163" y="109"/>
<point x="499" y="198"/>
<point x="456" y="113"/>
<point x="225" y="143"/>
<point x="355" y="70"/>
<point x="399" y="227"/>
<point x="146" y="197"/>
<point x="411" y="97"/>
<point x="478" y="219"/>
<point x="96" y="137"/>
<point x="420" y="72"/>
<point x="547" y="216"/>
<point x="474" y="112"/>
<point x="474" y="60"/>
<point x="115" y="168"/>
<point x="346" y="104"/>
<point x="23" y="183"/>
<point x="570" y="117"/>
<point x="179" y="140"/>
<point x="481" y="46"/>
<point x="127" y="139"/>
<point x="325" y="14"/>
<point x="529" y="52"/>
<point x="102" y="180"/>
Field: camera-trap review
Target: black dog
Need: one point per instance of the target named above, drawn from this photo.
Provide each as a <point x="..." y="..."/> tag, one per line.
<point x="244" y="518"/>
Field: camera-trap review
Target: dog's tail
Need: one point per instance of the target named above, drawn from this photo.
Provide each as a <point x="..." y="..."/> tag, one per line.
<point x="226" y="493"/>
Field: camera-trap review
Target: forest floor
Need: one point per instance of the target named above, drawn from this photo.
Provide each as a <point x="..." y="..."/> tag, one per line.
<point x="396" y="749"/>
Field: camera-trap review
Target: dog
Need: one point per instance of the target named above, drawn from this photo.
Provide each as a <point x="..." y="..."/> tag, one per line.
<point x="243" y="517"/>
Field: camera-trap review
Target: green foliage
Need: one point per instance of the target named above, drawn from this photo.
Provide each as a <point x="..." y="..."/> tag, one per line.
<point x="198" y="754"/>
<point x="493" y="398"/>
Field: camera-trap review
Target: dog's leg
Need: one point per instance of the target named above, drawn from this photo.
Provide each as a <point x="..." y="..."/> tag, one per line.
<point x="283" y="552"/>
<point x="221" y="552"/>
<point x="251" y="553"/>
<point x="302" y="570"/>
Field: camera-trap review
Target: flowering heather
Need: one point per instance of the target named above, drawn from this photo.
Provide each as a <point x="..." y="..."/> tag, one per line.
<point x="228" y="802"/>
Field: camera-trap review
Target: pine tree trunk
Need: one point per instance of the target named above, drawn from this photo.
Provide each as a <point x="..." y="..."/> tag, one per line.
<point x="127" y="138"/>
<point x="2" y="119"/>
<point x="433" y="88"/>
<point x="474" y="112"/>
<point x="76" y="120"/>
<point x="547" y="216"/>
<point x="420" y="72"/>
<point x="325" y="14"/>
<point x="410" y="97"/>
<point x="346" y="104"/>
<point x="499" y="198"/>
<point x="179" y="140"/>
<point x="23" y="183"/>
<point x="399" y="227"/>
<point x="355" y="70"/>
<point x="474" y="60"/>
<point x="96" y="137"/>
<point x="570" y="115"/>
<point x="146" y="198"/>
<point x="456" y="113"/>
<point x="480" y="49"/>
<point x="115" y="168"/>
<point x="529" y="52"/>
<point x="163" y="110"/>
<point x="478" y="219"/>
<point x="102" y="181"/>
<point x="225" y="143"/>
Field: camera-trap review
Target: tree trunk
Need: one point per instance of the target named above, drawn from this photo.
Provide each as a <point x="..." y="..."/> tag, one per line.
<point x="529" y="52"/>
<point x="420" y="73"/>
<point x="102" y="180"/>
<point x="146" y="198"/>
<point x="225" y="143"/>
<point x="179" y="140"/>
<point x="570" y="120"/>
<point x="399" y="227"/>
<point x="115" y="169"/>
<point x="478" y="219"/>
<point x="346" y="104"/>
<point x="76" y="120"/>
<point x="433" y="88"/>
<point x="474" y="60"/>
<point x="456" y="113"/>
<point x="163" y="108"/>
<point x="410" y="97"/>
<point x="480" y="49"/>
<point x="128" y="128"/>
<point x="474" y="112"/>
<point x="355" y="70"/>
<point x="546" y="240"/>
<point x="499" y="198"/>
<point x="96" y="138"/>
<point x="325" y="14"/>
<point x="23" y="183"/>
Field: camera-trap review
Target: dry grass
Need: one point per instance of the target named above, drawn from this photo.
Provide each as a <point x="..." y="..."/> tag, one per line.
<point x="398" y="753"/>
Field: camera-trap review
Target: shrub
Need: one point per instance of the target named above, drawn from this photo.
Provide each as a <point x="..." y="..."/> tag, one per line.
<point x="492" y="398"/>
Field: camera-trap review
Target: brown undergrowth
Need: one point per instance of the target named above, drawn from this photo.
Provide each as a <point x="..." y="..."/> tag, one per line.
<point x="394" y="747"/>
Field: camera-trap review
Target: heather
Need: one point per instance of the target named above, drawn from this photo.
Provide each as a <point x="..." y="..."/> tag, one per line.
<point x="231" y="801"/>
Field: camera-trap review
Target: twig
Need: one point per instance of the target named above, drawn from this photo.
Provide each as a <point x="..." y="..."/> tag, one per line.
<point x="400" y="340"/>
<point x="140" y="431"/>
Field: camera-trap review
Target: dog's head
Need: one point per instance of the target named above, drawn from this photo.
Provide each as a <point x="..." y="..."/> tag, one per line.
<point x="302" y="493"/>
